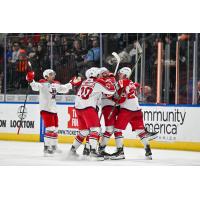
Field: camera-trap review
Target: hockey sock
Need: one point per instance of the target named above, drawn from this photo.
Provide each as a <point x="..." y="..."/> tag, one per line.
<point x="78" y="141"/>
<point x="105" y="138"/>
<point x="50" y="138"/>
<point x="118" y="139"/>
<point x="143" y="138"/>
<point x="87" y="142"/>
<point x="93" y="139"/>
<point x="55" y="139"/>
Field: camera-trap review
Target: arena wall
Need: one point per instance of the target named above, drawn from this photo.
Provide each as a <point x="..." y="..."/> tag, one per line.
<point x="178" y="126"/>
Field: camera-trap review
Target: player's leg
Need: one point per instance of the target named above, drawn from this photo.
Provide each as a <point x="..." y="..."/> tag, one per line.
<point x="86" y="150"/>
<point x="109" y="124"/>
<point x="109" y="129"/>
<point x="55" y="141"/>
<point x="120" y="125"/>
<point x="137" y="124"/>
<point x="84" y="132"/>
<point x="93" y="123"/>
<point x="49" y="135"/>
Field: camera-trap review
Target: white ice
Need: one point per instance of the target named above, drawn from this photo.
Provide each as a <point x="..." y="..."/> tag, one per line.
<point x="31" y="153"/>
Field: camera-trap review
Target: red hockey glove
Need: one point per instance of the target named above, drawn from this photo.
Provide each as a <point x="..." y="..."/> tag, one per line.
<point x="30" y="76"/>
<point x="76" y="81"/>
<point x="137" y="85"/>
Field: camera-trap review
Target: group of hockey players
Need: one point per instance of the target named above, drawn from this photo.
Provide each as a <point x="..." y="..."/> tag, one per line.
<point x="115" y="95"/>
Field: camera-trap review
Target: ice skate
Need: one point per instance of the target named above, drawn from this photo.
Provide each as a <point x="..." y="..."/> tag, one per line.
<point x="102" y="152"/>
<point x="86" y="151"/>
<point x="72" y="153"/>
<point x="148" y="153"/>
<point x="151" y="135"/>
<point x="118" y="155"/>
<point x="48" y="151"/>
<point x="56" y="149"/>
<point x="94" y="155"/>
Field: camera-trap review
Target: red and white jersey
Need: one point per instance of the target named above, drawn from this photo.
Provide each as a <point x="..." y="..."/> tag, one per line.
<point x="47" y="93"/>
<point x="107" y="99"/>
<point x="127" y="91"/>
<point x="91" y="91"/>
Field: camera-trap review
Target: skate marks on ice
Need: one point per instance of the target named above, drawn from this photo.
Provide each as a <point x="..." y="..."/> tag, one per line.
<point x="31" y="153"/>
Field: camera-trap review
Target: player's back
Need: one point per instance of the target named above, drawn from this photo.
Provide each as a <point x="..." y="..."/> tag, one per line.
<point x="90" y="91"/>
<point x="129" y="97"/>
<point x="47" y="95"/>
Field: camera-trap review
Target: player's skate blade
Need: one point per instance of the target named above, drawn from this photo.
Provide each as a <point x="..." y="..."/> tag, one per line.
<point x="48" y="152"/>
<point x="56" y="150"/>
<point x="72" y="154"/>
<point x="151" y="135"/>
<point x="118" y="155"/>
<point x="148" y="153"/>
<point x="86" y="151"/>
<point x="96" y="156"/>
<point x="102" y="152"/>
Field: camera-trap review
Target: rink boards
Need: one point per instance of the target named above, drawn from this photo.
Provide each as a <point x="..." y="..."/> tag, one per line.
<point x="178" y="126"/>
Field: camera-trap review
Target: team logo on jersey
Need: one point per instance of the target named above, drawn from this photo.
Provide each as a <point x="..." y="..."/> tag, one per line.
<point x="22" y="112"/>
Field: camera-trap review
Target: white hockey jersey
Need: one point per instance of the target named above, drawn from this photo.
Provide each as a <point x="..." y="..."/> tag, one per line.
<point x="128" y="99"/>
<point x="47" y="93"/>
<point x="91" y="91"/>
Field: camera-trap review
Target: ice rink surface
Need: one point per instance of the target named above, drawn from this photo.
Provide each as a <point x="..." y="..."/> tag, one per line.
<point x="31" y="153"/>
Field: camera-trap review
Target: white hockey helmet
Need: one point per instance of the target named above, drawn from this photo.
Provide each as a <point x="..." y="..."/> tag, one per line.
<point x="92" y="72"/>
<point x="103" y="69"/>
<point x="47" y="72"/>
<point x="126" y="71"/>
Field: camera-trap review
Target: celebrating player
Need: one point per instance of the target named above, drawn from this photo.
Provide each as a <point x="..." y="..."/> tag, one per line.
<point x="48" y="88"/>
<point x="130" y="112"/>
<point x="85" y="104"/>
<point x="107" y="105"/>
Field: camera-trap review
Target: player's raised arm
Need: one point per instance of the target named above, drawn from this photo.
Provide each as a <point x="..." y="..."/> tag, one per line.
<point x="30" y="78"/>
<point x="75" y="81"/>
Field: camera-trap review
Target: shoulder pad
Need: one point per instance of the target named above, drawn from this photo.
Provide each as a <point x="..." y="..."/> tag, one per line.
<point x="43" y="81"/>
<point x="56" y="82"/>
<point x="101" y="81"/>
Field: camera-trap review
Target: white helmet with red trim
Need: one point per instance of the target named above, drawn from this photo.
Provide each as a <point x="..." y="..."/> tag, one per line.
<point x="126" y="71"/>
<point x="103" y="69"/>
<point x="47" y="72"/>
<point x="92" y="72"/>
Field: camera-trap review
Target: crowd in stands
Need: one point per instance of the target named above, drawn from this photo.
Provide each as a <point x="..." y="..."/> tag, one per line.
<point x="67" y="54"/>
<point x="71" y="54"/>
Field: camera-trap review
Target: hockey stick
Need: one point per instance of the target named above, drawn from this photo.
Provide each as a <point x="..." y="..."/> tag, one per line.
<point x="118" y="61"/>
<point x="140" y="55"/>
<point x="115" y="72"/>
<point x="24" y="105"/>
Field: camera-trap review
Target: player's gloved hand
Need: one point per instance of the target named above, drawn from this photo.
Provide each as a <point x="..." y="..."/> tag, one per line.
<point x="123" y="83"/>
<point x="30" y="76"/>
<point x="137" y="85"/>
<point x="76" y="81"/>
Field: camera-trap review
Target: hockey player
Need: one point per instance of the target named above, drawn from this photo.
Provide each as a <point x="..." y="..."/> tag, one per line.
<point x="130" y="112"/>
<point x="48" y="88"/>
<point x="107" y="105"/>
<point x="85" y="104"/>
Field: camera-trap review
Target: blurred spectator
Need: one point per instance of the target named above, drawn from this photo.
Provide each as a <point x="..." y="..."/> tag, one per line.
<point x="78" y="52"/>
<point x="93" y="56"/>
<point x="15" y="54"/>
<point x="148" y="96"/>
<point x="9" y="54"/>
